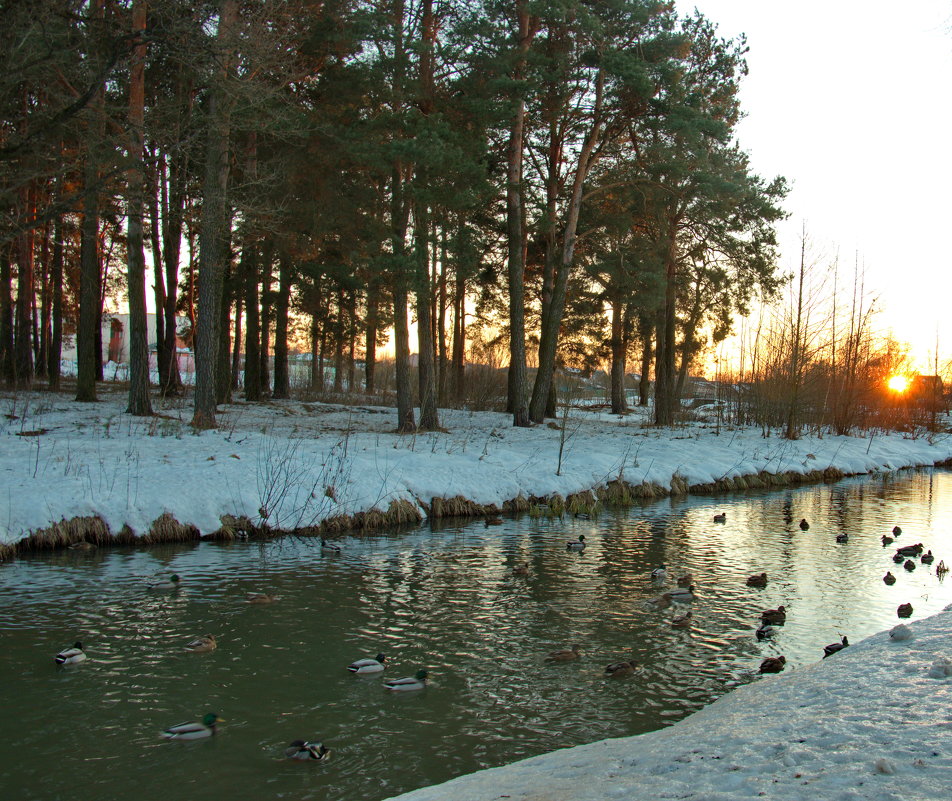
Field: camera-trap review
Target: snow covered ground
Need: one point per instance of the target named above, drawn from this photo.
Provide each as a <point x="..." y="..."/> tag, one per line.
<point x="294" y="464"/>
<point x="871" y="722"/>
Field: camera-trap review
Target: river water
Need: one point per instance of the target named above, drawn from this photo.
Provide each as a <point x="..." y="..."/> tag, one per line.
<point x="444" y="600"/>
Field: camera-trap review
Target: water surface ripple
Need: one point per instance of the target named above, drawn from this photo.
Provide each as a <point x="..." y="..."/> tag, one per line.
<point x="445" y="600"/>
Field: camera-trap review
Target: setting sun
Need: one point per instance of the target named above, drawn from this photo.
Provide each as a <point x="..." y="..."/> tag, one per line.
<point x="898" y="383"/>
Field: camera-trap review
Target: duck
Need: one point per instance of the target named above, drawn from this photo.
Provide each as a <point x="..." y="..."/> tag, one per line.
<point x="682" y="621"/>
<point x="765" y="631"/>
<point x="774" y="617"/>
<point x="299" y="749"/>
<point x="887" y="540"/>
<point x="660" y="573"/>
<point x="82" y="545"/>
<point x="618" y="669"/>
<point x="193" y="731"/>
<point x="909" y="565"/>
<point x="889" y="578"/>
<point x="927" y="558"/>
<point x="375" y="665"/>
<point x="720" y="518"/>
<point x="262" y="598"/>
<point x="941" y="569"/>
<point x="492" y="521"/>
<point x="685" y="581"/>
<point x="757" y="580"/>
<point x="844" y="537"/>
<point x="898" y="558"/>
<point x="576" y="545"/>
<point x="804" y="525"/>
<point x="565" y="655"/>
<point x="71" y="656"/>
<point x="521" y="570"/>
<point x="173" y="582"/>
<point x="904" y="610"/>
<point x="911" y="550"/>
<point x="329" y="547"/>
<point x="829" y="650"/>
<point x="202" y="645"/>
<point x="773" y="664"/>
<point x="896" y="531"/>
<point x="682" y="594"/>
<point x="415" y="682"/>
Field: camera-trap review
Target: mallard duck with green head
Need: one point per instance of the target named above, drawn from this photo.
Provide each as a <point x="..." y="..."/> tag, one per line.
<point x="194" y="730"/>
<point x="408" y="684"/>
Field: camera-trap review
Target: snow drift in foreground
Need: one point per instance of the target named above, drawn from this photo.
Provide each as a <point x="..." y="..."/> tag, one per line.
<point x="293" y="464"/>
<point x="872" y="722"/>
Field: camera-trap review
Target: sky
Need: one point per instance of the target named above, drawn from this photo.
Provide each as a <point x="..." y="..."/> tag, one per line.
<point x="851" y="102"/>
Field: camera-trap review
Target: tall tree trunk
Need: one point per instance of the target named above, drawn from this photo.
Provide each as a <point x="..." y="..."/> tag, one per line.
<point x="56" y="313"/>
<point x="518" y="401"/>
<point x="139" y="401"/>
<point x="429" y="414"/>
<point x="236" y="350"/>
<point x="399" y="220"/>
<point x="315" y="373"/>
<point x="158" y="288"/>
<point x="619" y="402"/>
<point x="646" y="335"/>
<point x="370" y="346"/>
<point x="86" y="337"/>
<point x="6" y="318"/>
<point x="459" y="338"/>
<point x="666" y="400"/>
<point x="249" y="269"/>
<point x="223" y="368"/>
<point x="552" y="316"/>
<point x="41" y="354"/>
<point x="267" y="300"/>
<point x="213" y="233"/>
<point x="23" y="342"/>
<point x="173" y="207"/>
<point x="282" y="378"/>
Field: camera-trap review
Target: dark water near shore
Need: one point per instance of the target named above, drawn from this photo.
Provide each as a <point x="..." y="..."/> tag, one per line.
<point x="445" y="600"/>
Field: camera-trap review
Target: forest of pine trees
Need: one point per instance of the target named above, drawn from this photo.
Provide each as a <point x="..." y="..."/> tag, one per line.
<point x="559" y="181"/>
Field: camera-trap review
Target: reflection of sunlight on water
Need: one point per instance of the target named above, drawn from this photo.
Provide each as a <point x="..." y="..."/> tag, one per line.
<point x="446" y="601"/>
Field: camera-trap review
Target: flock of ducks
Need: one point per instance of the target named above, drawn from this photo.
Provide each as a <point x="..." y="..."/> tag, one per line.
<point x="208" y="725"/>
<point x="684" y="592"/>
<point x="771" y="618"/>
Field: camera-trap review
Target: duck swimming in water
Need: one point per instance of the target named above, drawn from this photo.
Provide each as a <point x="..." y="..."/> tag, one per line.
<point x="804" y="525"/>
<point x="193" y="731"/>
<point x="363" y="666"/>
<point x="904" y="610"/>
<point x="565" y="655"/>
<point x="660" y="573"/>
<point x="886" y="540"/>
<point x="619" y="669"/>
<point x="415" y="682"/>
<point x="202" y="645"/>
<point x="576" y="545"/>
<point x="927" y="558"/>
<point x="299" y="749"/>
<point x="329" y="547"/>
<point x="774" y="617"/>
<point x="889" y="578"/>
<point x="721" y="518"/>
<point x="71" y="656"/>
<point x="757" y="581"/>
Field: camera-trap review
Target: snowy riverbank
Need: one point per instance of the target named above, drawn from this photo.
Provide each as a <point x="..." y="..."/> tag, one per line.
<point x="291" y="464"/>
<point x="872" y="722"/>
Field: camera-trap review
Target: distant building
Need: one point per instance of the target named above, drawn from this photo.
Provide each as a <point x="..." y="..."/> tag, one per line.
<point x="115" y="339"/>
